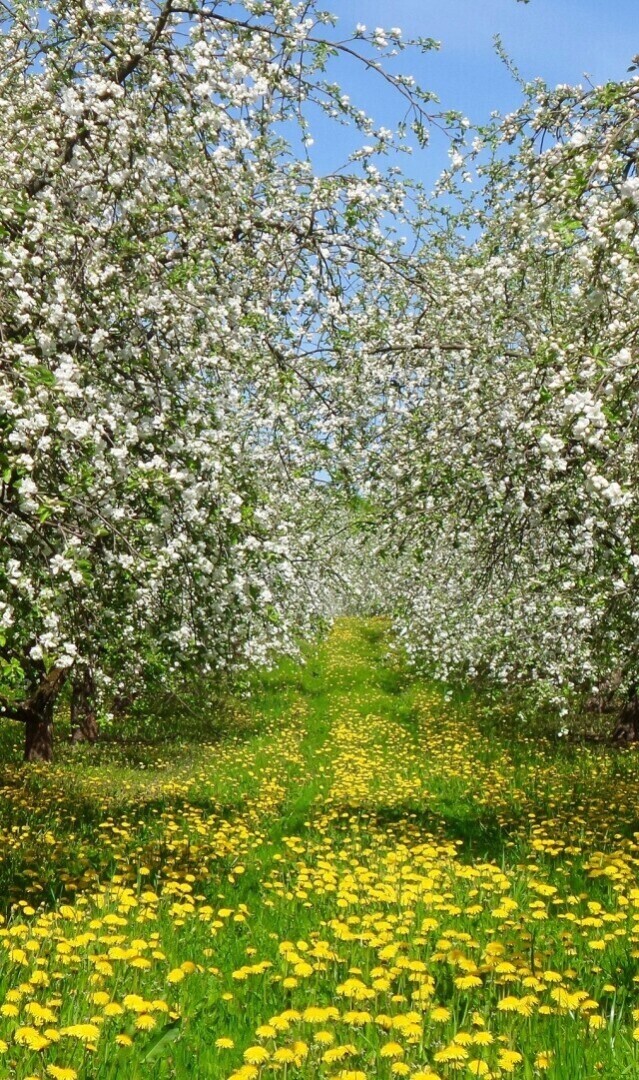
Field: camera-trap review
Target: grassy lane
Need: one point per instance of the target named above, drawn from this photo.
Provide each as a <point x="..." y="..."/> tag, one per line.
<point x="358" y="879"/>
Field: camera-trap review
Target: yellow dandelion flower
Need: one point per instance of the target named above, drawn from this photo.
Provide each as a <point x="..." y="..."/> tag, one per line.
<point x="266" y="1031"/>
<point x="392" y="1050"/>
<point x="483" y="1038"/>
<point x="357" y="1017"/>
<point x="28" y="1036"/>
<point x="300" y="1049"/>
<point x="256" y="1055"/>
<point x="123" y="1040"/>
<point x="508" y="1004"/>
<point x="467" y="982"/>
<point x="452" y="1053"/>
<point x="477" y="1067"/>
<point x="324" y="1038"/>
<point x="543" y="1060"/>
<point x="145" y="1022"/>
<point x="508" y="1060"/>
<point x="142" y="963"/>
<point x="135" y="1003"/>
<point x="224" y="1043"/>
<point x="462" y="1038"/>
<point x="284" y="1055"/>
<point x="400" y="1068"/>
<point x="564" y="999"/>
<point x="440" y="1015"/>
<point x="83" y="1032"/>
<point x="338" y="1053"/>
<point x="316" y="1015"/>
<point x="176" y="975"/>
<point x="61" y="1073"/>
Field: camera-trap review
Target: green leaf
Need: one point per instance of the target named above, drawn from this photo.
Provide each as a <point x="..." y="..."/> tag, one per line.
<point x="166" y="1036"/>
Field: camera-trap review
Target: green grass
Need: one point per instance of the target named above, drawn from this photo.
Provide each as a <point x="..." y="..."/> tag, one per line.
<point x="344" y="822"/>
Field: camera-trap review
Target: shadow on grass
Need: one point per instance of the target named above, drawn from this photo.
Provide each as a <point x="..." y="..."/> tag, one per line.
<point x="81" y="855"/>
<point x="482" y="836"/>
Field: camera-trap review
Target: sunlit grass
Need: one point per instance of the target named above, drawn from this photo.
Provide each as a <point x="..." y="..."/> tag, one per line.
<point x="356" y="879"/>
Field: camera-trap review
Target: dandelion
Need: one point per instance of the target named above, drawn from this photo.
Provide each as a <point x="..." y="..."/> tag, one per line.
<point x="58" y="1072"/>
<point x="145" y="1022"/>
<point x="508" y="1060"/>
<point x="400" y="1068"/>
<point x="338" y="1053"/>
<point x="28" y="1036"/>
<point x="135" y="1003"/>
<point x="392" y="1050"/>
<point x="113" y="1009"/>
<point x="83" y="1032"/>
<point x="477" y="1067"/>
<point x="256" y="1055"/>
<point x="452" y="1053"/>
<point x="284" y="1055"/>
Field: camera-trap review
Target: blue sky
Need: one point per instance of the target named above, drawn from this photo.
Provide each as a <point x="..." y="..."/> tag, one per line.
<point x="557" y="39"/>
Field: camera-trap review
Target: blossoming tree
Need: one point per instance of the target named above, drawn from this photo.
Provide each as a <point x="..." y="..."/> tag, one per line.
<point x="183" y="300"/>
<point x="512" y="478"/>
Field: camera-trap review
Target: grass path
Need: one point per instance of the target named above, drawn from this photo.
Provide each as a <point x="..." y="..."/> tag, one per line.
<point x="359" y="880"/>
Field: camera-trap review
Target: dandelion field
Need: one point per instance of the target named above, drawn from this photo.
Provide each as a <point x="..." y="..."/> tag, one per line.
<point x="359" y="879"/>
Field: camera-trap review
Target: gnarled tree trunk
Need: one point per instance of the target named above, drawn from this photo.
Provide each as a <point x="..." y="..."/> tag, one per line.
<point x="38" y="740"/>
<point x="84" y="721"/>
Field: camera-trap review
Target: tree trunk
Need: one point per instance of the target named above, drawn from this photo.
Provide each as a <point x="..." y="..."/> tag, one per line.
<point x="38" y="742"/>
<point x="84" y="721"/>
<point x="627" y="725"/>
<point x="36" y="713"/>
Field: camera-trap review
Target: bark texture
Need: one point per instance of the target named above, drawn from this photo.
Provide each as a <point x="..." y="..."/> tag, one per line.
<point x="36" y="713"/>
<point x="38" y="737"/>
<point x="627" y="726"/>
<point x="84" y="721"/>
